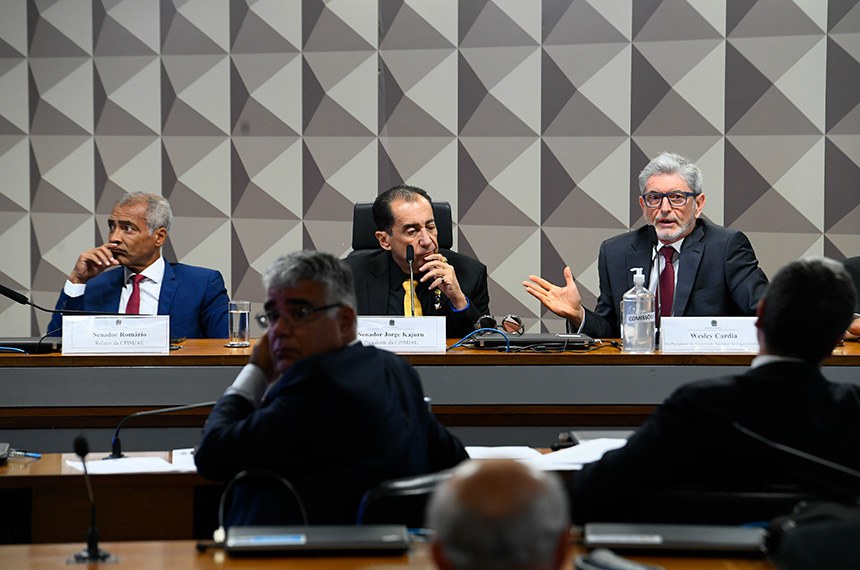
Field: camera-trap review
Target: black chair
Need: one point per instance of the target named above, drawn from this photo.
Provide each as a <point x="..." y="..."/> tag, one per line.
<point x="364" y="228"/>
<point x="400" y="501"/>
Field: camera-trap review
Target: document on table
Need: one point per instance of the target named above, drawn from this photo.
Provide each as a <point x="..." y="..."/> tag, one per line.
<point x="502" y="452"/>
<point x="125" y="465"/>
<point x="573" y="458"/>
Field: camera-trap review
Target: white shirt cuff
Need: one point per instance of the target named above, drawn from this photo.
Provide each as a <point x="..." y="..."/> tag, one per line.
<point x="74" y="289"/>
<point x="251" y="384"/>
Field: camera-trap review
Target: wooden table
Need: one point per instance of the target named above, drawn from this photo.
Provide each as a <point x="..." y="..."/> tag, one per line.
<point x="45" y="500"/>
<point x="182" y="554"/>
<point x="46" y="399"/>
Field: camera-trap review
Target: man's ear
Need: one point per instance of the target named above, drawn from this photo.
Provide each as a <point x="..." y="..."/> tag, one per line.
<point x="346" y="321"/>
<point x="759" y="313"/>
<point x="383" y="240"/>
<point x="160" y="236"/>
<point x="700" y="204"/>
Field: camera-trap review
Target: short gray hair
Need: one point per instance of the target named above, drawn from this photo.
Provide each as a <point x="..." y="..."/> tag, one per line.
<point x="668" y="163"/>
<point x="158" y="212"/>
<point x="308" y="265"/>
<point x="524" y="535"/>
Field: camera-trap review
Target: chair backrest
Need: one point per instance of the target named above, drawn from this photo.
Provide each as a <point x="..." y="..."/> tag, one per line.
<point x="400" y="501"/>
<point x="364" y="228"/>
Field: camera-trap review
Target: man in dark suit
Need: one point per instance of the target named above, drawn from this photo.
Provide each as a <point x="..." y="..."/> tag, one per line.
<point x="317" y="411"/>
<point x="711" y="270"/>
<point x="700" y="434"/>
<point x="143" y="282"/>
<point x="447" y="283"/>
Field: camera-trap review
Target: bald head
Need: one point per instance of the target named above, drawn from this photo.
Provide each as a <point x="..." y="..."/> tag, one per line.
<point x="499" y="514"/>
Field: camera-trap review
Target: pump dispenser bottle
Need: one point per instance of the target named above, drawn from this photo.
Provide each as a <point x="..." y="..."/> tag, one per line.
<point x="637" y="316"/>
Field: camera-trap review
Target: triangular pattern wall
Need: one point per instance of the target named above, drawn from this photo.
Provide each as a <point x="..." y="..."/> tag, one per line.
<point x="263" y="121"/>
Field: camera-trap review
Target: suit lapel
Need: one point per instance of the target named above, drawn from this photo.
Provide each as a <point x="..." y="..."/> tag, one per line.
<point x="688" y="267"/>
<point x="168" y="290"/>
<point x="377" y="285"/>
<point x="639" y="256"/>
<point x="108" y="299"/>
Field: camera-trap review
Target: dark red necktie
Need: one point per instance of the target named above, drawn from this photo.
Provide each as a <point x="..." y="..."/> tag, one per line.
<point x="133" y="306"/>
<point x="667" y="282"/>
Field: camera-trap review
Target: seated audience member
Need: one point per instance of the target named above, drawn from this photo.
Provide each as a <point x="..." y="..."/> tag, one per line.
<point x="694" y="438"/>
<point x="710" y="271"/>
<point x="499" y="514"/>
<point x="447" y="283"/>
<point x="315" y="407"/>
<point x="194" y="297"/>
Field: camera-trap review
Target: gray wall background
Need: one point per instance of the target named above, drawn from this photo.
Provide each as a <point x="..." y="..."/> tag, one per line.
<point x="264" y="121"/>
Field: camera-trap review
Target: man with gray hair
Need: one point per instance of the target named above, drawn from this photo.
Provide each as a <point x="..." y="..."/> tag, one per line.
<point x="194" y="297"/>
<point x="315" y="409"/>
<point x="499" y="515"/>
<point x="695" y="268"/>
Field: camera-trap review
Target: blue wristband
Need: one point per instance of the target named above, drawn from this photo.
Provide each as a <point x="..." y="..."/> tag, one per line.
<point x="468" y="304"/>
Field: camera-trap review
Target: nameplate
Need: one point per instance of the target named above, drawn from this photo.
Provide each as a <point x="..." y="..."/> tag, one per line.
<point x="403" y="334"/>
<point x="708" y="334"/>
<point x="120" y="334"/>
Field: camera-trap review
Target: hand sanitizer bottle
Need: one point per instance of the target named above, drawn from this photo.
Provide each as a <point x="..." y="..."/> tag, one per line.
<point x="637" y="316"/>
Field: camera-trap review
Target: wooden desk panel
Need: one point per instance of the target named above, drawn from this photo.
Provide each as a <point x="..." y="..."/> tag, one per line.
<point x="51" y="396"/>
<point x="182" y="554"/>
<point x="141" y="506"/>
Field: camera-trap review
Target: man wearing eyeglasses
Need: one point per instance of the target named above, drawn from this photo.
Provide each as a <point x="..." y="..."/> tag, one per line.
<point x="317" y="411"/>
<point x="701" y="269"/>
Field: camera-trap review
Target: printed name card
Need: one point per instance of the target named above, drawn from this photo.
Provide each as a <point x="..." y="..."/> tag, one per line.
<point x="117" y="334"/>
<point x="708" y="334"/>
<point x="403" y="334"/>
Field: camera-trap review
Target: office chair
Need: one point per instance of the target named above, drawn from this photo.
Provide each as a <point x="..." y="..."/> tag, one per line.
<point x="400" y="501"/>
<point x="364" y="228"/>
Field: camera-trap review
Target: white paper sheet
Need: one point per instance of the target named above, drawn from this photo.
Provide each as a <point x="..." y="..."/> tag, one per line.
<point x="573" y="458"/>
<point x="502" y="452"/>
<point x="124" y="465"/>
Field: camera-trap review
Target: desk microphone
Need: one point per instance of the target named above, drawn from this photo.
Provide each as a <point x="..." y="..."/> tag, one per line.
<point x="116" y="443"/>
<point x="410" y="257"/>
<point x="92" y="553"/>
<point x="23" y="300"/>
<point x="652" y="240"/>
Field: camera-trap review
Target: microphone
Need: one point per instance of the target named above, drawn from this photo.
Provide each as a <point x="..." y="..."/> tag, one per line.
<point x="23" y="300"/>
<point x="116" y="443"/>
<point x="92" y="553"/>
<point x="655" y="266"/>
<point x="410" y="257"/>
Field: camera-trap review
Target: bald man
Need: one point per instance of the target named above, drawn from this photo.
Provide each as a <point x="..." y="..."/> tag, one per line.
<point x="499" y="514"/>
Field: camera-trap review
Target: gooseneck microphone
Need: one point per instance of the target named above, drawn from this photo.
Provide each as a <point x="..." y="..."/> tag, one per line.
<point x="92" y="553"/>
<point x="655" y="266"/>
<point x="23" y="300"/>
<point x="116" y="443"/>
<point x="410" y="257"/>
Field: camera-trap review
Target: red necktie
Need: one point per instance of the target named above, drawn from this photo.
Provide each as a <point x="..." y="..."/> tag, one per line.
<point x="667" y="282"/>
<point x="133" y="306"/>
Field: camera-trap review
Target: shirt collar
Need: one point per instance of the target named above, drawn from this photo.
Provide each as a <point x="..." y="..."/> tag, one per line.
<point x="154" y="272"/>
<point x="764" y="359"/>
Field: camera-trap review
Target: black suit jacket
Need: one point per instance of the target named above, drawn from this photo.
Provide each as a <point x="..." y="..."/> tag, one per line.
<point x="718" y="274"/>
<point x="370" y="269"/>
<point x="691" y="439"/>
<point x="334" y="425"/>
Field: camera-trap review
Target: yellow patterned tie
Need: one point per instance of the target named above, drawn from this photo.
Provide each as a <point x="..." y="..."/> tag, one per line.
<point x="407" y="306"/>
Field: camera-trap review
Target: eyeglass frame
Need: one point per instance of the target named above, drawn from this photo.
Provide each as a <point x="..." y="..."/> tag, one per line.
<point x="306" y="311"/>
<point x="667" y="196"/>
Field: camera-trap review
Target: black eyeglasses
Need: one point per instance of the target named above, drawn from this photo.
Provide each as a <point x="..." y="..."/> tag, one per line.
<point x="293" y="317"/>
<point x="676" y="198"/>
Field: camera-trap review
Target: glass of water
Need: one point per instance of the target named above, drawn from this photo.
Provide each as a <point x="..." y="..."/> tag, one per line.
<point x="240" y="324"/>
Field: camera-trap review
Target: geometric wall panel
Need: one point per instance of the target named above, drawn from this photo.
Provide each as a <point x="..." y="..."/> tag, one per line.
<point x="264" y="121"/>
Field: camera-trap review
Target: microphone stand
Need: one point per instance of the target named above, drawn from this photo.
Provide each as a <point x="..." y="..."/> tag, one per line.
<point x="116" y="443"/>
<point x="92" y="553"/>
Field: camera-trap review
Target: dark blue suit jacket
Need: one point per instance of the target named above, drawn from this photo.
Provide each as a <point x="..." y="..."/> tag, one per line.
<point x="194" y="297"/>
<point x="691" y="441"/>
<point x="334" y="425"/>
<point x="718" y="275"/>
